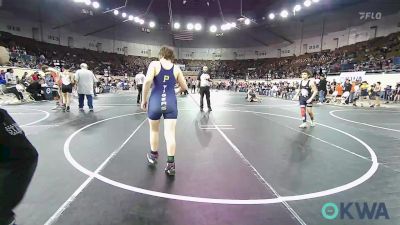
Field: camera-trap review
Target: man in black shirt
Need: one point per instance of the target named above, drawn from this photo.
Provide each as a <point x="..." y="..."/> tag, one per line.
<point x="322" y="89"/>
<point x="18" y="159"/>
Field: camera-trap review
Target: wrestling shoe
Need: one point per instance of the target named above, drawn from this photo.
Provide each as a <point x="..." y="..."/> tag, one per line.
<point x="303" y="125"/>
<point x="152" y="158"/>
<point x="170" y="169"/>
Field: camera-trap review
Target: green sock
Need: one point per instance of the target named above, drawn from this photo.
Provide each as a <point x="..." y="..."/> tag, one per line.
<point x="170" y="159"/>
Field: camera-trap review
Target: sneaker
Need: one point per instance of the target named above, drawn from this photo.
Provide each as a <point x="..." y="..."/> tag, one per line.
<point x="67" y="110"/>
<point x="201" y="110"/>
<point x="170" y="169"/>
<point x="56" y="108"/>
<point x="209" y="109"/>
<point x="303" y="125"/>
<point x="152" y="158"/>
<point x="312" y="124"/>
<point x="91" y="110"/>
<point x="319" y="103"/>
<point x="81" y="110"/>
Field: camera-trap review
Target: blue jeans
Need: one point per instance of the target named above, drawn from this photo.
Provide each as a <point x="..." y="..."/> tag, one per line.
<point x="89" y="100"/>
<point x="321" y="96"/>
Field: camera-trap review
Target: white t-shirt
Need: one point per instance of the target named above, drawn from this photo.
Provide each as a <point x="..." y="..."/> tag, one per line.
<point x="66" y="79"/>
<point x="86" y="80"/>
<point x="204" y="80"/>
<point x="11" y="77"/>
<point x="139" y="78"/>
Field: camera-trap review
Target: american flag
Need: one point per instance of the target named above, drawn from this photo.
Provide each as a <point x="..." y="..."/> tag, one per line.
<point x="185" y="35"/>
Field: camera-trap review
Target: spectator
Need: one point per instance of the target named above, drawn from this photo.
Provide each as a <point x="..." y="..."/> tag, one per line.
<point x="322" y="89"/>
<point x="85" y="80"/>
<point x="18" y="160"/>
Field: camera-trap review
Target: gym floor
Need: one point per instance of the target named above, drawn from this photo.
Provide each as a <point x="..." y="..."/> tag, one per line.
<point x="242" y="164"/>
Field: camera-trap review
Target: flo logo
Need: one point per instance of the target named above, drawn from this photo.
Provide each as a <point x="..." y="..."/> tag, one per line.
<point x="370" y="15"/>
<point x="355" y="210"/>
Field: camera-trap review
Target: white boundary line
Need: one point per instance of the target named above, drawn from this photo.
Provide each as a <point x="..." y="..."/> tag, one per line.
<point x="331" y="191"/>
<point x="280" y="199"/>
<point x="365" y="124"/>
<point x="258" y="175"/>
<point x="67" y="203"/>
<point x="39" y="120"/>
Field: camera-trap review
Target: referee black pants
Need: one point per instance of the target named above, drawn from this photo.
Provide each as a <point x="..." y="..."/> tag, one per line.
<point x="139" y="95"/>
<point x="205" y="91"/>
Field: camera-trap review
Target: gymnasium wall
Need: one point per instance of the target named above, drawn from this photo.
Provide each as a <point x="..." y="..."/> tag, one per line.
<point x="353" y="34"/>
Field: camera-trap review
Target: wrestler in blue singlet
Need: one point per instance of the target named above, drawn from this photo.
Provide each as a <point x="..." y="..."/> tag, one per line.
<point x="162" y="100"/>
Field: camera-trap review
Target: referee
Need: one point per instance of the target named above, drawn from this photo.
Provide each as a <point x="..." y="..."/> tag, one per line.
<point x="139" y="79"/>
<point x="205" y="83"/>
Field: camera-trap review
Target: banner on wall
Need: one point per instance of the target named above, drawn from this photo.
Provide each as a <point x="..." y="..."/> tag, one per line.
<point x="352" y="76"/>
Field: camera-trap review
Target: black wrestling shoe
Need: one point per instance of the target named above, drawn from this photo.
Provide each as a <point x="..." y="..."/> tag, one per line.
<point x="170" y="169"/>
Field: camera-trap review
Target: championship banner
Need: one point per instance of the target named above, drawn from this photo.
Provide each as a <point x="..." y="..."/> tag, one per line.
<point x="352" y="76"/>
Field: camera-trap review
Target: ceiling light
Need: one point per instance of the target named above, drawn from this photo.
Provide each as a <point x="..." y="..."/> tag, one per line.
<point x="141" y="22"/>
<point x="96" y="5"/>
<point x="130" y="17"/>
<point x="177" y="25"/>
<point x="247" y="21"/>
<point x="116" y="12"/>
<point x="152" y="24"/>
<point x="284" y="13"/>
<point x="297" y="8"/>
<point x="307" y="3"/>
<point x="197" y="26"/>
<point x="232" y="25"/>
<point x="136" y="19"/>
<point x="189" y="26"/>
<point x="315" y="1"/>
<point x="88" y="2"/>
<point x="271" y="16"/>
<point x="213" y="28"/>
<point x="123" y="15"/>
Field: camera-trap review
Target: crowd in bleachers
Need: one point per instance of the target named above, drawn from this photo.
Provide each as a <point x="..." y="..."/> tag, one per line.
<point x="375" y="55"/>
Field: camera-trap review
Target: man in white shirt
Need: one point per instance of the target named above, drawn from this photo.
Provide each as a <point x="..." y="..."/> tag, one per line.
<point x="139" y="79"/>
<point x="85" y="80"/>
<point x="10" y="77"/>
<point x="205" y="83"/>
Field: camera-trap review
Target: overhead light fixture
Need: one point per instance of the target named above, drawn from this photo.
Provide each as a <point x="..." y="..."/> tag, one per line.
<point x="79" y="1"/>
<point x="223" y="27"/>
<point x="123" y="15"/>
<point x="284" y="13"/>
<point x="130" y="17"/>
<point x="190" y="26"/>
<point x="297" y="8"/>
<point x="177" y="25"/>
<point x="315" y="1"/>
<point x="96" y="5"/>
<point x="247" y="21"/>
<point x="116" y="12"/>
<point x="152" y="24"/>
<point x="213" y="28"/>
<point x="271" y="16"/>
<point x="307" y="3"/>
<point x="232" y="25"/>
<point x="88" y="2"/>
<point x="141" y="22"/>
<point x="136" y="19"/>
<point x="197" y="26"/>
